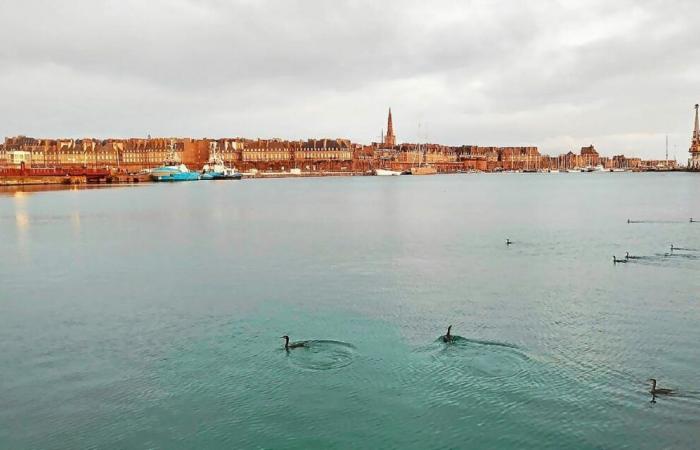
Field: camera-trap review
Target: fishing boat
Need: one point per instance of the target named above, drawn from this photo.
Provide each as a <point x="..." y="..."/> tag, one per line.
<point x="172" y="169"/>
<point x="215" y="169"/>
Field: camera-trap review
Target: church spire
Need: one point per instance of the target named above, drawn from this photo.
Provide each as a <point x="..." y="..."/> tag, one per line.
<point x="390" y="138"/>
<point x="696" y="133"/>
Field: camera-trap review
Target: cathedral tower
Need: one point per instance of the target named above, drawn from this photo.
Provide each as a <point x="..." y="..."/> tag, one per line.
<point x="390" y="138"/>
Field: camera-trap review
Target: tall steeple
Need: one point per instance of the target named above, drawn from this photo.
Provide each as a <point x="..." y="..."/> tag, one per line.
<point x="390" y="138"/>
<point x="696" y="133"/>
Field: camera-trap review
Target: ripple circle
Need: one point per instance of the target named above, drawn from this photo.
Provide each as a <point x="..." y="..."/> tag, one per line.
<point x="323" y="355"/>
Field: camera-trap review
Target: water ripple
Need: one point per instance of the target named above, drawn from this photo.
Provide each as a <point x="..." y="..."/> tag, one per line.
<point x="322" y="355"/>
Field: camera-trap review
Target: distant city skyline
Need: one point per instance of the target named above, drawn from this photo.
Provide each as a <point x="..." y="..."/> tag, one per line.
<point x="559" y="76"/>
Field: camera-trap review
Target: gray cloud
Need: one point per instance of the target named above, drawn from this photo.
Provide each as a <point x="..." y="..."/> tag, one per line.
<point x="557" y="74"/>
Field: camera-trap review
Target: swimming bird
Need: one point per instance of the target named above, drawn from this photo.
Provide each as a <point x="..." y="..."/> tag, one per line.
<point x="673" y="248"/>
<point x="615" y="260"/>
<point x="659" y="391"/>
<point x="288" y="345"/>
<point x="508" y="242"/>
<point x="448" y="337"/>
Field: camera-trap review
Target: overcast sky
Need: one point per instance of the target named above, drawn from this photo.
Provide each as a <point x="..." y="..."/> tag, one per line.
<point x="556" y="74"/>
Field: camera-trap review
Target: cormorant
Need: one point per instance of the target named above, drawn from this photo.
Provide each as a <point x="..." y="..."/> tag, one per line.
<point x="659" y="391"/>
<point x="448" y="337"/>
<point x="288" y="345"/>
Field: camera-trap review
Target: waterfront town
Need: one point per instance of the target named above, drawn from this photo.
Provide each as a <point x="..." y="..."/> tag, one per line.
<point x="27" y="160"/>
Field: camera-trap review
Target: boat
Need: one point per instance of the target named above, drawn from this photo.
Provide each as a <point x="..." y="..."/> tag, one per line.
<point x="215" y="169"/>
<point x="172" y="169"/>
<point x="423" y="168"/>
<point x="387" y="173"/>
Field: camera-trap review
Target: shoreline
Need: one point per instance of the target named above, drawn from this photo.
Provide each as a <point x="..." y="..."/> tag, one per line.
<point x="28" y="180"/>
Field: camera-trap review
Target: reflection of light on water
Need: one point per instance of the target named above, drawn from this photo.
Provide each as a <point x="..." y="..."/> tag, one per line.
<point x="22" y="219"/>
<point x="19" y="195"/>
<point x="22" y="222"/>
<point x="75" y="220"/>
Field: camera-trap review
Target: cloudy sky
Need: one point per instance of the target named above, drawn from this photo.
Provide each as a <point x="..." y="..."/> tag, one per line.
<point x="556" y="74"/>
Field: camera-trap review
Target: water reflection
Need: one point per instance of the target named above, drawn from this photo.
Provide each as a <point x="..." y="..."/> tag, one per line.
<point x="22" y="220"/>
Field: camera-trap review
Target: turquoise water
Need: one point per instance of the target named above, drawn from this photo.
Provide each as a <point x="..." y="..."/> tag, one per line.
<point x="149" y="316"/>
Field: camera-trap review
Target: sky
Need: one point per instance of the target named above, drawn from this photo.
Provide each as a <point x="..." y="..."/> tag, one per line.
<point x="554" y="74"/>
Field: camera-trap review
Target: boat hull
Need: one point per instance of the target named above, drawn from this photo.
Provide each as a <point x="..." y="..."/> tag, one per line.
<point x="181" y="176"/>
<point x="425" y="170"/>
<point x="223" y="176"/>
<point x="386" y="173"/>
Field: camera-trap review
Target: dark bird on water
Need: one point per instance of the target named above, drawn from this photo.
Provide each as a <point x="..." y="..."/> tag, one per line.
<point x="448" y="336"/>
<point x="288" y="345"/>
<point x="615" y="260"/>
<point x="659" y="391"/>
<point x="508" y="242"/>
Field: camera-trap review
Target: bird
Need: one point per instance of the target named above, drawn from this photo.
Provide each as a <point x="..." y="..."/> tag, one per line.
<point x="659" y="391"/>
<point x="673" y="248"/>
<point x="288" y="345"/>
<point x="615" y="260"/>
<point x="448" y="336"/>
<point x="508" y="242"/>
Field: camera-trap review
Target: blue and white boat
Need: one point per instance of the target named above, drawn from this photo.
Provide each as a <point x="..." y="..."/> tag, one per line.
<point x="171" y="172"/>
<point x="215" y="169"/>
<point x="172" y="169"/>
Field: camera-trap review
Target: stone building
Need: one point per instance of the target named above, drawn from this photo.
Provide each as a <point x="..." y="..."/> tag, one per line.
<point x="589" y="156"/>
